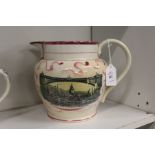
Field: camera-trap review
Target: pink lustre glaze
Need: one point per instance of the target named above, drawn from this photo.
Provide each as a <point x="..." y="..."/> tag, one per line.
<point x="64" y="42"/>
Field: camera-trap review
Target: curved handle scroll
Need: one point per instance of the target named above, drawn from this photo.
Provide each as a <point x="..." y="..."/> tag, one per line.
<point x="128" y="61"/>
<point x="8" y="85"/>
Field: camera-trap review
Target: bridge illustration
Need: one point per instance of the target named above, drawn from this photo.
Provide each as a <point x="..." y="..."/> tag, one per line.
<point x="55" y="93"/>
<point x="44" y="79"/>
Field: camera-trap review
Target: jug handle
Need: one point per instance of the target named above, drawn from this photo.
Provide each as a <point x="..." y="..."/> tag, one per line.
<point x="128" y="62"/>
<point x="8" y="85"/>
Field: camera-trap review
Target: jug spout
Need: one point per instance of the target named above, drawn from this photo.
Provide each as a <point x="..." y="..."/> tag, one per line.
<point x="37" y="44"/>
<point x="40" y="46"/>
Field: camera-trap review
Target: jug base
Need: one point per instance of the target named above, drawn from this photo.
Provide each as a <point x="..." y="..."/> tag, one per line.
<point x="70" y="121"/>
<point x="67" y="114"/>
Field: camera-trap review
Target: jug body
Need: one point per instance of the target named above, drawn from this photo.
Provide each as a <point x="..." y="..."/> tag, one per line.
<point x="70" y="79"/>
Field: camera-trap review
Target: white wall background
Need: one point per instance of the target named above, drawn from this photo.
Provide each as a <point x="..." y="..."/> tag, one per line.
<point x="18" y="58"/>
<point x="141" y="42"/>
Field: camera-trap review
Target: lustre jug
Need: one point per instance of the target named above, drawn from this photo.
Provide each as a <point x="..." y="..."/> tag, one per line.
<point x="70" y="77"/>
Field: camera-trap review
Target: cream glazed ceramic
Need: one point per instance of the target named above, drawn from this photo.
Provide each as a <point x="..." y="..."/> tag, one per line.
<point x="70" y="77"/>
<point x="8" y="85"/>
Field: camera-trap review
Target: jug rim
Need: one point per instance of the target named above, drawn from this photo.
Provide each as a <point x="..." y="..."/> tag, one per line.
<point x="65" y="42"/>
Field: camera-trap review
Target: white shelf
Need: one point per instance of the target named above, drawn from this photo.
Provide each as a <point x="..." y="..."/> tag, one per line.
<point x="110" y="115"/>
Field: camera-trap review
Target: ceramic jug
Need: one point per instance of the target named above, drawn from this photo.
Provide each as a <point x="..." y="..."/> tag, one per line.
<point x="70" y="77"/>
<point x="7" y="89"/>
